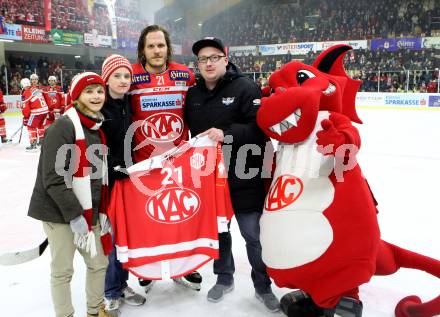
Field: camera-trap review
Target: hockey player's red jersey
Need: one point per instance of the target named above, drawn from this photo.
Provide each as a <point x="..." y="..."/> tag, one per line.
<point x="166" y="217"/>
<point x="33" y="102"/>
<point x="54" y="97"/>
<point x="157" y="103"/>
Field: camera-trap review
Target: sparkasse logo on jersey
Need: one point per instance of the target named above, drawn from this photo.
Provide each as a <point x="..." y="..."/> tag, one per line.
<point x="283" y="192"/>
<point x="173" y="205"/>
<point x="163" y="127"/>
<point x="161" y="102"/>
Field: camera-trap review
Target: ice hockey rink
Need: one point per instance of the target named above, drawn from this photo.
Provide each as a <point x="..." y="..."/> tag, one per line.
<point x="400" y="157"/>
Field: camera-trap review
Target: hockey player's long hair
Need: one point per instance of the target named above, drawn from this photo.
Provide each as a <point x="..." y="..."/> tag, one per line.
<point x="141" y="42"/>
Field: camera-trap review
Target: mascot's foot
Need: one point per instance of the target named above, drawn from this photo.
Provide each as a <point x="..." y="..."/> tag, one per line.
<point x="299" y="304"/>
<point x="347" y="307"/>
<point x="404" y="306"/>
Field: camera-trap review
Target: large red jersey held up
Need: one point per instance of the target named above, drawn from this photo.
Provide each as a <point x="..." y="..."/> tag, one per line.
<point x="166" y="217"/>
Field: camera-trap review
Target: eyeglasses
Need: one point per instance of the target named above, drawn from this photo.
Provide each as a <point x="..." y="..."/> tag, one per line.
<point x="212" y="59"/>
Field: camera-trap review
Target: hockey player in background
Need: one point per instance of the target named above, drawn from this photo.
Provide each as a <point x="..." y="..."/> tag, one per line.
<point x="116" y="73"/>
<point x="34" y="109"/>
<point x="35" y="83"/>
<point x="158" y="92"/>
<point x="54" y="97"/>
<point x="2" y="120"/>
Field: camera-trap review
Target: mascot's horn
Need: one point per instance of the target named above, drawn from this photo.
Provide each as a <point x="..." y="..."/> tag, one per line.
<point x="330" y="62"/>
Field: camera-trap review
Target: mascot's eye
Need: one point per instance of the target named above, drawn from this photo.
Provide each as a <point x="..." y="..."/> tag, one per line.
<point x="303" y="75"/>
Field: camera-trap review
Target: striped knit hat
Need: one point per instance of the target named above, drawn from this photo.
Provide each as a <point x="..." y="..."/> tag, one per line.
<point x="112" y="63"/>
<point x="81" y="81"/>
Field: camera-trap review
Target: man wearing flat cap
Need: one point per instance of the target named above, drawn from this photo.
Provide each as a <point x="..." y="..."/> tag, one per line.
<point x="223" y="105"/>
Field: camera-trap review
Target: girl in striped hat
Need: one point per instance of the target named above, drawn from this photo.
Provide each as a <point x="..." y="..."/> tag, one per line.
<point x="71" y="195"/>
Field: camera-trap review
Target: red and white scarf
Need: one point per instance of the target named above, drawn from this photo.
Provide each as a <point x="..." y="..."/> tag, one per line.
<point x="81" y="185"/>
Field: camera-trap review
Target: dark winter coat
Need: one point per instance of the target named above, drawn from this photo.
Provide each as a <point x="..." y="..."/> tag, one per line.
<point x="117" y="121"/>
<point x="53" y="199"/>
<point x="231" y="106"/>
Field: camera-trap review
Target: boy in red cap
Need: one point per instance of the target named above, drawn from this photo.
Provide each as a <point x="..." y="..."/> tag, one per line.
<point x="70" y="195"/>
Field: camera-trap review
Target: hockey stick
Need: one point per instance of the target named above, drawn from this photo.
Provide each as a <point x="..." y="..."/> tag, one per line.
<point x="14" y="258"/>
<point x="21" y="133"/>
<point x="20" y="129"/>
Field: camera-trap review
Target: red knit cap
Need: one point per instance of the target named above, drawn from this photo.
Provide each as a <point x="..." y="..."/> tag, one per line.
<point x="81" y="81"/>
<point x="112" y="63"/>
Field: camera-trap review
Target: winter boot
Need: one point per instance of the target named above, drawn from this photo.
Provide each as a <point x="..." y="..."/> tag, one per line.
<point x="101" y="313"/>
<point x="218" y="291"/>
<point x="347" y="307"/>
<point x="299" y="304"/>
<point x="4" y="139"/>
<point x="192" y="281"/>
<point x="110" y="308"/>
<point x="132" y="298"/>
<point x="269" y="300"/>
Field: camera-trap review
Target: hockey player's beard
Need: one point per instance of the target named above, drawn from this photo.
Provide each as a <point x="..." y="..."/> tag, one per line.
<point x="158" y="64"/>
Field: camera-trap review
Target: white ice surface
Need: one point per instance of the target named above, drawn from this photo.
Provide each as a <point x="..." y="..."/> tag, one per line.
<point x="400" y="157"/>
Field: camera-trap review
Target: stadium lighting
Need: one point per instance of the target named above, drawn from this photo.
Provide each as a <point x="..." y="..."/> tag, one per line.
<point x="62" y="44"/>
<point x="5" y="40"/>
<point x="200" y="24"/>
<point x="178" y="19"/>
<point x="77" y="56"/>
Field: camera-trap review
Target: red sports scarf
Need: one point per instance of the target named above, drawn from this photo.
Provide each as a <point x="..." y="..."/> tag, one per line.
<point x="82" y="188"/>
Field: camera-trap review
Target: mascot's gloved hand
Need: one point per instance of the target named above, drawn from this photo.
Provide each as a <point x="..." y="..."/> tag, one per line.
<point x="25" y="121"/>
<point x="337" y="130"/>
<point x="329" y="136"/>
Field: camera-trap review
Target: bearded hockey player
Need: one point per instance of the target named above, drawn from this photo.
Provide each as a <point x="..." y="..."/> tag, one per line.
<point x="158" y="93"/>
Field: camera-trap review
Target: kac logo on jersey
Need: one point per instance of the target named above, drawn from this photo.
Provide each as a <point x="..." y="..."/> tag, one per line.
<point x="161" y="102"/>
<point x="141" y="78"/>
<point x="228" y="100"/>
<point x="197" y="161"/>
<point x="173" y="205"/>
<point x="283" y="192"/>
<point x="163" y="127"/>
<point x="179" y="75"/>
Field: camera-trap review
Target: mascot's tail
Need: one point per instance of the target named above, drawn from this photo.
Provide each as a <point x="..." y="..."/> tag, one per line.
<point x="391" y="258"/>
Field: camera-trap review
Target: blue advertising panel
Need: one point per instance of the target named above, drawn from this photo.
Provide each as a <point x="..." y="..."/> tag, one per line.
<point x="393" y="45"/>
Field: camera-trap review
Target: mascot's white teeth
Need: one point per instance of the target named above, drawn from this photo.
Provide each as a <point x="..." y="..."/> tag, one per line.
<point x="286" y="124"/>
<point x="330" y="89"/>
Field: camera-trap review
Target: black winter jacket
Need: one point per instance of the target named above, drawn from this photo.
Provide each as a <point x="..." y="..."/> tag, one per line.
<point x="232" y="106"/>
<point x="117" y="121"/>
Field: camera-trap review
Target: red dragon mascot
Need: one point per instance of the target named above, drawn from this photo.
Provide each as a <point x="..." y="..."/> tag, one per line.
<point x="319" y="228"/>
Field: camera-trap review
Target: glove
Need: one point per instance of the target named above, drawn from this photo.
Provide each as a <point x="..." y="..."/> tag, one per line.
<point x="106" y="227"/>
<point x="25" y="121"/>
<point x="79" y="225"/>
<point x="329" y="135"/>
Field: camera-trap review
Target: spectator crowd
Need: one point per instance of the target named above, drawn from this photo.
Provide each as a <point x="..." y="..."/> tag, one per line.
<point x="256" y="22"/>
